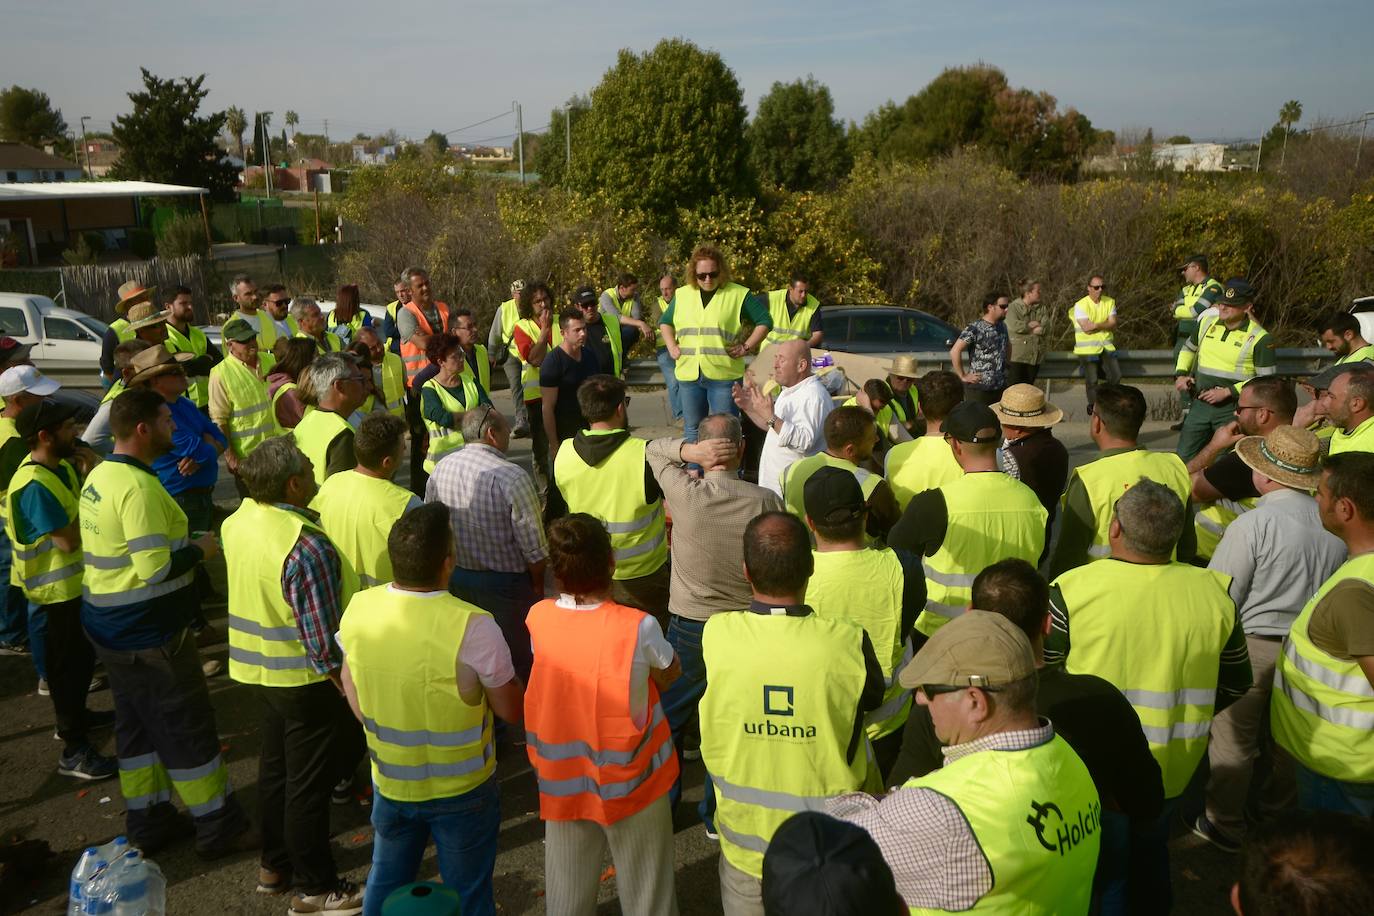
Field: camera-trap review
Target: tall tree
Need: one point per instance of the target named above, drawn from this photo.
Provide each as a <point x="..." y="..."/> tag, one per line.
<point x="27" y="116"/>
<point x="437" y="144"/>
<point x="795" y="140"/>
<point x="665" y="130"/>
<point x="550" y="157"/>
<point x="165" y="139"/>
<point x="236" y="123"/>
<point x="1289" y="114"/>
<point x="292" y="119"/>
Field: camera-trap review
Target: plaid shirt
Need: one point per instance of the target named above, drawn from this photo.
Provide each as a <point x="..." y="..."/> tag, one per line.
<point x="925" y="838"/>
<point x="310" y="584"/>
<point x="492" y="508"/>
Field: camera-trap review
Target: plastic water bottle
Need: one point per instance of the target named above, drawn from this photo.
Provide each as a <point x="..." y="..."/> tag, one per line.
<point x="157" y="890"/>
<point x="131" y="883"/>
<point x="113" y="851"/>
<point x="97" y="894"/>
<point x="86" y="867"/>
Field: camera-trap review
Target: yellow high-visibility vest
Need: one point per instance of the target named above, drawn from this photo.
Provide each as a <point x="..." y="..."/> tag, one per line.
<point x="1087" y="343"/>
<point x="613" y="492"/>
<point x="790" y="327"/>
<point x="918" y="465"/>
<point x="46" y="573"/>
<point x="1106" y="478"/>
<point x="252" y="420"/>
<point x="357" y="512"/>
<point x="313" y="434"/>
<point x="704" y="333"/>
<point x="194" y="342"/>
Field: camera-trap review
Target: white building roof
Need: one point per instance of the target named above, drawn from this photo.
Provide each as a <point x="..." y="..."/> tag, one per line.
<point x="69" y="190"/>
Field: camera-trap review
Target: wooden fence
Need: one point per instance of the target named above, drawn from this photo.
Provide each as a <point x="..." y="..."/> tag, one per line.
<point x="94" y="288"/>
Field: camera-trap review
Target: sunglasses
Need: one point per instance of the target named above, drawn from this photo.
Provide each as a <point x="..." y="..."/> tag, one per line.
<point x="708" y="275"/>
<point x="280" y="301"/>
<point x="934" y="690"/>
<point x="1095" y="286"/>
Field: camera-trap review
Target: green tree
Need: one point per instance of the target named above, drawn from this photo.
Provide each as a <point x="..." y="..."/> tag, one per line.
<point x="164" y="138"/>
<point x="795" y="140"/>
<point x="551" y="156"/>
<point x="1179" y="139"/>
<point x="27" y="116"/>
<point x="236" y="123"/>
<point x="437" y="144"/>
<point x="665" y="130"/>
<point x="1289" y="114"/>
<point x="292" y="119"/>
<point x="260" y="120"/>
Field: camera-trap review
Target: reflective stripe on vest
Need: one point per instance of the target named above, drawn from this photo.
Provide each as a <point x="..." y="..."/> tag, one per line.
<point x="412" y="355"/>
<point x="1091" y="343"/>
<point x="483" y="367"/>
<point x="796" y="474"/>
<point x="357" y="512"/>
<point x="1211" y="522"/>
<point x="704" y="333"/>
<point x="1224" y="354"/>
<point x="918" y="465"/>
<point x="445" y="439"/>
<point x="1106" y="478"/>
<point x="314" y="434"/>
<point x="46" y="573"/>
<point x="865" y="586"/>
<point x="424" y="740"/>
<point x="1037" y="820"/>
<point x="144" y="782"/>
<point x="1185" y="305"/>
<point x="510" y="313"/>
<point x="264" y="642"/>
<point x="613" y="491"/>
<point x="267" y="336"/>
<point x="252" y="420"/>
<point x="1322" y="707"/>
<point x="529" y="373"/>
<point x="991" y="518"/>
<point x="776" y="726"/>
<point x="790" y="327"/>
<point x="1185" y="616"/>
<point x="393" y="384"/>
<point x="126" y="565"/>
<point x="591" y="761"/>
<point x="194" y="342"/>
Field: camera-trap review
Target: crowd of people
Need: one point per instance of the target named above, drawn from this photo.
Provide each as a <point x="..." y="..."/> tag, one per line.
<point x="924" y="663"/>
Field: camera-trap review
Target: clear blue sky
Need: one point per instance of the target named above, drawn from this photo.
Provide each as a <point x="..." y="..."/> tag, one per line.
<point x="1214" y="69"/>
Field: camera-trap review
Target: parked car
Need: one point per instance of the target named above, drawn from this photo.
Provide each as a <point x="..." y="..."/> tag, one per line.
<point x="66" y="343"/>
<point x="885" y="329"/>
<point x="1363" y="310"/>
<point x="378" y="313"/>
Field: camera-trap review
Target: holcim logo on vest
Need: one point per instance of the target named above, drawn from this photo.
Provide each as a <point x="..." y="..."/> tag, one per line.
<point x="1066" y="834"/>
<point x="779" y="701"/>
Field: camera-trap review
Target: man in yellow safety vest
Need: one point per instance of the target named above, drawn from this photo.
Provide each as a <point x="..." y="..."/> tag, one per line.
<point x="1093" y="319"/>
<point x="926" y="462"/>
<point x="326" y="433"/>
<point x="1199" y="294"/>
<point x="239" y="404"/>
<point x="796" y="313"/>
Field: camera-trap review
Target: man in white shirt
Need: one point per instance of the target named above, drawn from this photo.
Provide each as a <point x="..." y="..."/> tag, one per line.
<point x="795" y="420"/>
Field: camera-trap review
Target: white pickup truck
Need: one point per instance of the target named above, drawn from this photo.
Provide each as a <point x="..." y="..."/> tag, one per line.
<point x="66" y="343"/>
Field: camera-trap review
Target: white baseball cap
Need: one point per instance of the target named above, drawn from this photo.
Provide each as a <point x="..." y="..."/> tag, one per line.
<point x="25" y="378"/>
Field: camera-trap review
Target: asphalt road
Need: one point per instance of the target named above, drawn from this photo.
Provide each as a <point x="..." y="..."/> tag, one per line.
<point x="36" y="803"/>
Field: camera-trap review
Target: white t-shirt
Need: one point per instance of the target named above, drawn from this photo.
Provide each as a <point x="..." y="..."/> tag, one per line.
<point x="652" y="651"/>
<point x="802" y="409"/>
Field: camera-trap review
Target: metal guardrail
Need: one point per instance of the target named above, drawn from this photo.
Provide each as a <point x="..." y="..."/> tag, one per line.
<point x="1135" y="364"/>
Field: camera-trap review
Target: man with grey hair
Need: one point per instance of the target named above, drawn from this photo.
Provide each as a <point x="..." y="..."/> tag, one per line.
<point x="794" y="420"/>
<point x="310" y="323"/>
<point x="498" y="528"/>
<point x="706" y="553"/>
<point x="1167" y="635"/>
<point x="288" y="588"/>
<point x="326" y="433"/>
<point x="390" y="332"/>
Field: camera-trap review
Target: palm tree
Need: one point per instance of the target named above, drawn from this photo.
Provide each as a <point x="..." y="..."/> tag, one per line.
<point x="1289" y="114"/>
<point x="236" y="122"/>
<point x="292" y="119"/>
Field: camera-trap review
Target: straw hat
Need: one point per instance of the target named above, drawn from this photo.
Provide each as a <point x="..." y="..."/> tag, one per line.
<point x="143" y="315"/>
<point x="903" y="366"/>
<point x="156" y="361"/>
<point x="1025" y="405"/>
<point x="1287" y="455"/>
<point x="131" y="293"/>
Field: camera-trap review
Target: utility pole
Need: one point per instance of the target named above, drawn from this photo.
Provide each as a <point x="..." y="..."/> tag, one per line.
<point x="520" y="138"/>
<point x="326" y="139"/>
<point x="1364" y="122"/>
<point x="1259" y="152"/>
<point x="567" y="132"/>
<point x="84" y="146"/>
<point x="264" y="118"/>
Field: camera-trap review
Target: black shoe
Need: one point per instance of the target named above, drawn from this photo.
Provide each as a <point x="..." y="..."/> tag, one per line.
<point x="87" y="764"/>
<point x="1207" y="830"/>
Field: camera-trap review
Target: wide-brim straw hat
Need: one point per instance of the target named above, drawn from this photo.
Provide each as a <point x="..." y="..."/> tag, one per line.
<point x="156" y="361"/>
<point x="1287" y="455"/>
<point x="1025" y="405"/>
<point x="132" y="293"/>
<point x="903" y="366"/>
<point x="143" y="315"/>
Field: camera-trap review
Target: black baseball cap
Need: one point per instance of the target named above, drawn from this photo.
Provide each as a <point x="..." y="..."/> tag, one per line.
<point x="819" y="866"/>
<point x="1323" y="379"/>
<point x="44" y="414"/>
<point x="832" y="496"/>
<point x="970" y="421"/>
<point x="1238" y="292"/>
<point x="1199" y="259"/>
<point x="584" y="295"/>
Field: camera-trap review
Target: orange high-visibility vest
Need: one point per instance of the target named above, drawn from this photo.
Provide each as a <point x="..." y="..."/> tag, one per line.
<point x="591" y="761"/>
<point x="412" y="355"/>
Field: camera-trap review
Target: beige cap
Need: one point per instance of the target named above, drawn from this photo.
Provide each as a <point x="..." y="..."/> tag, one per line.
<point x="1287" y="455"/>
<point x="156" y="361"/>
<point x="143" y="315"/>
<point x="975" y="649"/>
<point x="1025" y="405"/>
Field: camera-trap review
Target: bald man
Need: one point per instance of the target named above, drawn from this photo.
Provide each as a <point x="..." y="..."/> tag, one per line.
<point x="794" y="419"/>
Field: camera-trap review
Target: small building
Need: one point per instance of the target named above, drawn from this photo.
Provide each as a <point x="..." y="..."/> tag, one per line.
<point x="21" y="163"/>
<point x="1190" y="157"/>
<point x="99" y="154"/>
<point x="39" y="220"/>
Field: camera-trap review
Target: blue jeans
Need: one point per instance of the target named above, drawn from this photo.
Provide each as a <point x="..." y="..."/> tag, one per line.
<point x="506" y="596"/>
<point x="701" y="398"/>
<point x="680" y="703"/>
<point x="668" y="368"/>
<point x="1322" y="793"/>
<point x="13" y="613"/>
<point x="464" y="829"/>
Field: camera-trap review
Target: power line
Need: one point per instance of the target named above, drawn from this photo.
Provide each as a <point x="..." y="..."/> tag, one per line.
<point x="458" y="130"/>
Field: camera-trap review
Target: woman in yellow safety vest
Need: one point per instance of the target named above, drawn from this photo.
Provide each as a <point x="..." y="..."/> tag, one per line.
<point x="446" y="397"/>
<point x="348" y="317"/>
<point x="292" y="355"/>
